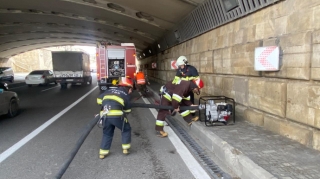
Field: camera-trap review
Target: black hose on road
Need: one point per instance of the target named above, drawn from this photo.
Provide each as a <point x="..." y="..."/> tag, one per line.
<point x="75" y="150"/>
<point x="89" y="127"/>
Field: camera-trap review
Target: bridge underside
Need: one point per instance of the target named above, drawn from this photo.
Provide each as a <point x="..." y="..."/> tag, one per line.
<point x="28" y="25"/>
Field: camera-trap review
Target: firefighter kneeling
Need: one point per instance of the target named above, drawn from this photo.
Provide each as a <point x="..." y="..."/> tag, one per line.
<point x="115" y="104"/>
<point x="177" y="95"/>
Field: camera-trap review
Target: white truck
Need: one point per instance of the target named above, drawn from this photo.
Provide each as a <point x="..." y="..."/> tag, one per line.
<point x="71" y="67"/>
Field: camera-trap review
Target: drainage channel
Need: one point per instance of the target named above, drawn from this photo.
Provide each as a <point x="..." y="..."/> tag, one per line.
<point x="213" y="169"/>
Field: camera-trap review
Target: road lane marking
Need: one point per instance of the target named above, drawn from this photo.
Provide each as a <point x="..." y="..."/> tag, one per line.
<point x="193" y="165"/>
<point x="34" y="133"/>
<point x="49" y="88"/>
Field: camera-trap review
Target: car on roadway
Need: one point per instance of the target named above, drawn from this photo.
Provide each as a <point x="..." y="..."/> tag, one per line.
<point x="9" y="101"/>
<point x="40" y="77"/>
<point x="6" y="74"/>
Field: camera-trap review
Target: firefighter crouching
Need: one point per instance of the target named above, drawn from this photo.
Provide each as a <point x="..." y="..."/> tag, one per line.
<point x="141" y="82"/>
<point x="177" y="95"/>
<point x="115" y="104"/>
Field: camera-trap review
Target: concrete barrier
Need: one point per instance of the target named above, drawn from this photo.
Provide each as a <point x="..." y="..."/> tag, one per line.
<point x="241" y="165"/>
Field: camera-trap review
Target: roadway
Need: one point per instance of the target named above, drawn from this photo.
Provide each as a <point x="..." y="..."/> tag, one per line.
<point x="66" y="112"/>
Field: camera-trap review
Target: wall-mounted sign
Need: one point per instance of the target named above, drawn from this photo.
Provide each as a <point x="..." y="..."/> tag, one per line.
<point x="266" y="58"/>
<point x="154" y="65"/>
<point x="173" y="64"/>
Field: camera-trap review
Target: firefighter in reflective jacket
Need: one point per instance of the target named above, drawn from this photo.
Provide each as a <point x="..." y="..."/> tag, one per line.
<point x="141" y="82"/>
<point x="185" y="72"/>
<point x="177" y="95"/>
<point x="117" y="103"/>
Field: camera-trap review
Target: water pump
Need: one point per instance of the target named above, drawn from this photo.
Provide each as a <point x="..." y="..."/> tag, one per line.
<point x="218" y="112"/>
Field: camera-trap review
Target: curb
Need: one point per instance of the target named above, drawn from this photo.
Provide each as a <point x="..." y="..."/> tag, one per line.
<point x="241" y="165"/>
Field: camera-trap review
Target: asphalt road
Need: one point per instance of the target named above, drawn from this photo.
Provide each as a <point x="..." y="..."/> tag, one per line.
<point x="42" y="156"/>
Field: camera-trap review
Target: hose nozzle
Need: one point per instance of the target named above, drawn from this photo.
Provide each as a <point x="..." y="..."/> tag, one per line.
<point x="202" y="106"/>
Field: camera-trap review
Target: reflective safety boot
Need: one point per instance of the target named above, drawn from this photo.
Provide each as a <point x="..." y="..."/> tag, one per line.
<point x="125" y="148"/>
<point x="162" y="134"/>
<point x="103" y="153"/>
<point x="125" y="151"/>
<point x="195" y="118"/>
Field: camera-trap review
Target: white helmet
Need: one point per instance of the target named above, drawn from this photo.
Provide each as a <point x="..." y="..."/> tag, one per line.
<point x="182" y="60"/>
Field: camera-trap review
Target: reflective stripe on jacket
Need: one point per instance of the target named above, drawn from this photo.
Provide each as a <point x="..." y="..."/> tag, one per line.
<point x="116" y="98"/>
<point x="179" y="92"/>
<point x="188" y="73"/>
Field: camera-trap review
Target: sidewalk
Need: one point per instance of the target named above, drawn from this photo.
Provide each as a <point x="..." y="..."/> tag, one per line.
<point x="255" y="153"/>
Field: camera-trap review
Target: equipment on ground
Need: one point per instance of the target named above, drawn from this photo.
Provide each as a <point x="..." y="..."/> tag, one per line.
<point x="114" y="62"/>
<point x="71" y="67"/>
<point x="217" y="109"/>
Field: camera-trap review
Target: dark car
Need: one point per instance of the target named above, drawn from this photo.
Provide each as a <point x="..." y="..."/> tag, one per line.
<point x="6" y="74"/>
<point x="9" y="101"/>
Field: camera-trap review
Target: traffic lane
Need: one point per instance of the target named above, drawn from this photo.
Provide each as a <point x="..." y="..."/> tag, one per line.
<point x="36" y="107"/>
<point x="42" y="156"/>
<point x="150" y="157"/>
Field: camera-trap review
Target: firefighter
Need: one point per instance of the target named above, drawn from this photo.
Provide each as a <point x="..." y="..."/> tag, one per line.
<point x="177" y="95"/>
<point x="117" y="103"/>
<point x="185" y="72"/>
<point x="141" y="82"/>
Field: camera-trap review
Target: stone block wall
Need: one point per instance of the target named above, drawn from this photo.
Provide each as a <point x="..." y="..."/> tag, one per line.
<point x="40" y="59"/>
<point x="32" y="60"/>
<point x="287" y="101"/>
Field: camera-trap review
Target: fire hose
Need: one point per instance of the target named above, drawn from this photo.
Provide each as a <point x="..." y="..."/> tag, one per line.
<point x="143" y="105"/>
<point x="92" y="123"/>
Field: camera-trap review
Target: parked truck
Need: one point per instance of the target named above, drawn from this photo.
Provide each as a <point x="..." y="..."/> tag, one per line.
<point x="71" y="67"/>
<point x="114" y="62"/>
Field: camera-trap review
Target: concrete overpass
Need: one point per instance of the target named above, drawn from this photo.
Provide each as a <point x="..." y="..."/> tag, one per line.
<point x="153" y="26"/>
<point x="89" y="21"/>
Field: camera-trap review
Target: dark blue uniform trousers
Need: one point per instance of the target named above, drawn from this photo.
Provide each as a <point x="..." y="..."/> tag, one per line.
<point x="108" y="131"/>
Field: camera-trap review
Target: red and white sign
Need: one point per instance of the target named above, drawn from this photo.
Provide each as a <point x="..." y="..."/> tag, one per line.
<point x="154" y="65"/>
<point x="266" y="58"/>
<point x="173" y="64"/>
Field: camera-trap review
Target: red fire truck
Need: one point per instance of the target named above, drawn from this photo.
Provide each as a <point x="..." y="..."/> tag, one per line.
<point x="114" y="62"/>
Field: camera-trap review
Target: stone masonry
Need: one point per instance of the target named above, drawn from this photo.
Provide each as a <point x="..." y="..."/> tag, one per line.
<point x="286" y="102"/>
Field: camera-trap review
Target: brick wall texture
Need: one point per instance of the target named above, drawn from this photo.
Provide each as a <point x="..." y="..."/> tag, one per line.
<point x="287" y="101"/>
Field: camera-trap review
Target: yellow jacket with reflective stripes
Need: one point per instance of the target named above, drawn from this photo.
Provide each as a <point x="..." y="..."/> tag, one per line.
<point x="118" y="99"/>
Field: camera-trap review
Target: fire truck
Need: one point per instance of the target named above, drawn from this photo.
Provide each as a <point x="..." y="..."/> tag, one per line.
<point x="114" y="62"/>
